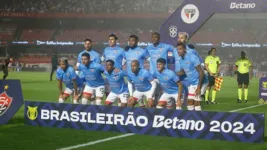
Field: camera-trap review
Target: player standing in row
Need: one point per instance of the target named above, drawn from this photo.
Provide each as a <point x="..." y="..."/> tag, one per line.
<point x="66" y="74"/>
<point x="144" y="85"/>
<point x="117" y="84"/>
<point x="170" y="83"/>
<point x="212" y="63"/>
<point x="157" y="50"/>
<point x="134" y="52"/>
<point x="190" y="65"/>
<point x="183" y="38"/>
<point x="114" y="52"/>
<point x="92" y="73"/>
<point x="94" y="56"/>
<point x="244" y="74"/>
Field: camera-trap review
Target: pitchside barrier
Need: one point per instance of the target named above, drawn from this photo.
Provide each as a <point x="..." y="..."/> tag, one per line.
<point x="11" y="99"/>
<point x="242" y="127"/>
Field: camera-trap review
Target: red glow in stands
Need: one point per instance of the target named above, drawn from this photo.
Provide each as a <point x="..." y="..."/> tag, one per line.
<point x="36" y="34"/>
<point x="7" y="32"/>
<point x="32" y="59"/>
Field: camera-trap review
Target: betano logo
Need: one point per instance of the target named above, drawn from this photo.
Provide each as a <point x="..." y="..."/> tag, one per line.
<point x="32" y="112"/>
<point x="242" y="5"/>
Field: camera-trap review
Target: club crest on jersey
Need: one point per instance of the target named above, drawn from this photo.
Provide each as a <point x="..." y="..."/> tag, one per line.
<point x="116" y="77"/>
<point x="161" y="49"/>
<point x="141" y="78"/>
<point x="115" y="51"/>
<point x="5" y="102"/>
<point x="32" y="112"/>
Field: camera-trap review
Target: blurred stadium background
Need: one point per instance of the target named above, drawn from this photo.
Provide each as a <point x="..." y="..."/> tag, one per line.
<point x="27" y="25"/>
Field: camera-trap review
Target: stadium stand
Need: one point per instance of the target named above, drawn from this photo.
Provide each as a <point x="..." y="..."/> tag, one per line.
<point x="36" y="34"/>
<point x="7" y="32"/>
<point x="89" y="6"/>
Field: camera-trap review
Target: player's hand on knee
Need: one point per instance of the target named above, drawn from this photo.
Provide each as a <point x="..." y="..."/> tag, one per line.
<point x="76" y="97"/>
<point x="197" y="92"/>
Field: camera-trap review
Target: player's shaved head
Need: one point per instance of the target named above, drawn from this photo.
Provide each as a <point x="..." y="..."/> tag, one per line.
<point x="155" y="38"/>
<point x="135" y="66"/>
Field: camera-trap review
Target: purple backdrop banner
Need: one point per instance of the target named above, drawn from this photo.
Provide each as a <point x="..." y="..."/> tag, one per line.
<point x="158" y="122"/>
<point x="192" y="14"/>
<point x="11" y="99"/>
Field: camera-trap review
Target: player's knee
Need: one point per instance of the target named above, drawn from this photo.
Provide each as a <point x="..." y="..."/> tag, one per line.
<point x="197" y="103"/>
<point x="161" y="104"/>
<point x="108" y="103"/>
<point x="150" y="103"/>
<point x="190" y="102"/>
<point x="245" y="86"/>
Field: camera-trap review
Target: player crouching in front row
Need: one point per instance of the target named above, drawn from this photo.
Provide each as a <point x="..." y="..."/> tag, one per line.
<point x="66" y="74"/>
<point x="118" y="87"/>
<point x="144" y="85"/>
<point x="170" y="83"/>
<point x="92" y="73"/>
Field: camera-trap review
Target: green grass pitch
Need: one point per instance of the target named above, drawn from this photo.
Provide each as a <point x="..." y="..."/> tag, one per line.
<point x="37" y="87"/>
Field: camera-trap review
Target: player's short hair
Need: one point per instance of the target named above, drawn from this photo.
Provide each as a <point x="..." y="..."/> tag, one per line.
<point x="136" y="61"/>
<point x="88" y="40"/>
<point x="156" y="33"/>
<point x="161" y="60"/>
<point x="135" y="37"/>
<point x="86" y="55"/>
<point x="113" y="35"/>
<point x="110" y="61"/>
<point x="65" y="60"/>
<point x="181" y="44"/>
<point x="185" y="34"/>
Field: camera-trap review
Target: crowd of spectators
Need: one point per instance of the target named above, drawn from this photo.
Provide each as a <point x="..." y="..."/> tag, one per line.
<point x="89" y="6"/>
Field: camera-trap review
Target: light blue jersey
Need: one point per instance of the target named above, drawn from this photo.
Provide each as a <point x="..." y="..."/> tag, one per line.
<point x="94" y="56"/>
<point x="92" y="74"/>
<point x="68" y="76"/>
<point x="160" y="51"/>
<point x="188" y="63"/>
<point x="116" y="82"/>
<point x="141" y="80"/>
<point x="136" y="53"/>
<point x="193" y="51"/>
<point x="168" y="81"/>
<point x="116" y="54"/>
